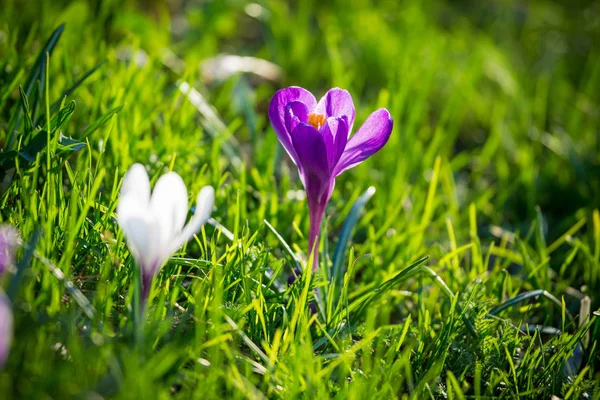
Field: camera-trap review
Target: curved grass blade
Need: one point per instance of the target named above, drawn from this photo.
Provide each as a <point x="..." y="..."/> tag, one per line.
<point x="99" y="122"/>
<point x="525" y="296"/>
<point x="75" y="85"/>
<point x="62" y="117"/>
<point x="228" y="234"/>
<point x="359" y="304"/>
<point x="415" y="268"/>
<point x="26" y="110"/>
<point x="440" y="282"/>
<point x="40" y="63"/>
<point x="39" y="141"/>
<point x="286" y="246"/>
<point x="37" y="75"/>
<point x="337" y="272"/>
<point x="75" y="293"/>
<point x="248" y="341"/>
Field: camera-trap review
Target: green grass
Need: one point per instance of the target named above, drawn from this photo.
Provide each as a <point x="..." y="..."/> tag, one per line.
<point x="492" y="172"/>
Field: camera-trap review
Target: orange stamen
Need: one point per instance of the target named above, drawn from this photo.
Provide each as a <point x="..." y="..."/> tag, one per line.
<point x="316" y="120"/>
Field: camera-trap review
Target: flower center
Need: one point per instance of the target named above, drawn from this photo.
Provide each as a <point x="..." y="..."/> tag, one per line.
<point x="316" y="120"/>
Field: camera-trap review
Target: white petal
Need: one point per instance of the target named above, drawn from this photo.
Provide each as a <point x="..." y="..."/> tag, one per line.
<point x="140" y="229"/>
<point x="169" y="205"/>
<point x="204" y="205"/>
<point x="136" y="218"/>
<point x="6" y="327"/>
<point x="136" y="183"/>
<point x="135" y="195"/>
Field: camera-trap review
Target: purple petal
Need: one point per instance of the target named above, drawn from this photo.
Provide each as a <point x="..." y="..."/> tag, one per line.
<point x="337" y="103"/>
<point x="6" y="327"/>
<point x="295" y="112"/>
<point x="369" y="138"/>
<point x="335" y="136"/>
<point x="277" y="110"/>
<point x="312" y="156"/>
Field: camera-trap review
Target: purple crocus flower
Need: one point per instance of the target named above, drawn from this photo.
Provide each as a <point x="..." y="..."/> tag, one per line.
<point x="8" y="245"/>
<point x="6" y="327"/>
<point x="316" y="136"/>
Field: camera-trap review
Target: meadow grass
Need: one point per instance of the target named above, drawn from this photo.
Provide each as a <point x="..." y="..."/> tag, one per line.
<point x="457" y="262"/>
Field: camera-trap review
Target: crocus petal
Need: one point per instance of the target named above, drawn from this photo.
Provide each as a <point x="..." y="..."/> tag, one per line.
<point x="335" y="137"/>
<point x="204" y="205"/>
<point x="134" y="216"/>
<point x="337" y="103"/>
<point x="6" y="327"/>
<point x="136" y="183"/>
<point x="295" y="112"/>
<point x="140" y="229"/>
<point x="277" y="110"/>
<point x="169" y="205"/>
<point x="312" y="156"/>
<point x="369" y="138"/>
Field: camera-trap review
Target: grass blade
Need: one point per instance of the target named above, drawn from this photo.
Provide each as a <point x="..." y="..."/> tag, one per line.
<point x="286" y="246"/>
<point x="367" y="299"/>
<point x="99" y="122"/>
<point x="37" y="75"/>
<point x="337" y="273"/>
<point x="74" y="86"/>
<point x="525" y="296"/>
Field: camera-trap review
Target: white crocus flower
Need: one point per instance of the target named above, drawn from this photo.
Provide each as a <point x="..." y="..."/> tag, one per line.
<point x="153" y="224"/>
